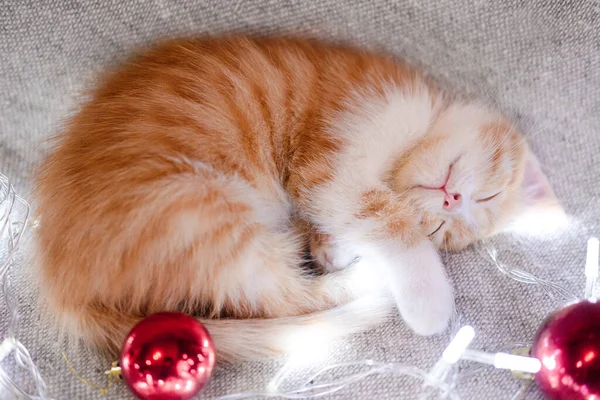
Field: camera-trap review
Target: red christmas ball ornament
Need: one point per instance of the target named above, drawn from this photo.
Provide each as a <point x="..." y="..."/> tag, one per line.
<point x="568" y="346"/>
<point x="167" y="356"/>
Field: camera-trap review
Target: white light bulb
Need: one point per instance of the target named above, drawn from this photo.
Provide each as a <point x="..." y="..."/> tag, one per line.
<point x="458" y="345"/>
<point x="517" y="363"/>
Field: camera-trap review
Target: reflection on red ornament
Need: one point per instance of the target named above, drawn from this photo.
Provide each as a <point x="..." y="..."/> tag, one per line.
<point x="167" y="356"/>
<point x="568" y="346"/>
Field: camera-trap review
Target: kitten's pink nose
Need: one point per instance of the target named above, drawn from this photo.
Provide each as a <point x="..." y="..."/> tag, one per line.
<point x="452" y="201"/>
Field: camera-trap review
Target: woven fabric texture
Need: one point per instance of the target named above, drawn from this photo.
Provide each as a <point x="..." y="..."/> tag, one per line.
<point x="538" y="60"/>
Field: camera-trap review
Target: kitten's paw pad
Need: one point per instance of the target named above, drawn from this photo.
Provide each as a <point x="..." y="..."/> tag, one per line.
<point x="431" y="308"/>
<point x="329" y="255"/>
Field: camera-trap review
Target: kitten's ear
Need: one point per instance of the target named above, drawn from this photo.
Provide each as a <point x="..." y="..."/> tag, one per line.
<point x="536" y="192"/>
<point x="539" y="213"/>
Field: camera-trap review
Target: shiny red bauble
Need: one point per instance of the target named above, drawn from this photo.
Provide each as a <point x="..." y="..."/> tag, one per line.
<point x="167" y="356"/>
<point x="568" y="346"/>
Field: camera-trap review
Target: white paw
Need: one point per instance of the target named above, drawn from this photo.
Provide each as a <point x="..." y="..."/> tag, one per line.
<point x="329" y="255"/>
<point x="421" y="289"/>
<point x="428" y="306"/>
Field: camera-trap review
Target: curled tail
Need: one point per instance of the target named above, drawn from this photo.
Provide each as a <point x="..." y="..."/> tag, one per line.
<point x="238" y="340"/>
<point x="252" y="339"/>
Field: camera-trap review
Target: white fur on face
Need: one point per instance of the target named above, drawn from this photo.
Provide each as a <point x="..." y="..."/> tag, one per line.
<point x="375" y="131"/>
<point x="457" y="141"/>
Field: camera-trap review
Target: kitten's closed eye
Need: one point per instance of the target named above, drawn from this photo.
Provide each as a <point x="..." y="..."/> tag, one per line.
<point x="488" y="198"/>
<point x="437" y="229"/>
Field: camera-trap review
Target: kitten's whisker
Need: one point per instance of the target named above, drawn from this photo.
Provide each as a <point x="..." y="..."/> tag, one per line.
<point x="445" y="241"/>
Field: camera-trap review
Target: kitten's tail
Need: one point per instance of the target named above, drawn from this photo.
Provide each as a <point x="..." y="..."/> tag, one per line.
<point x="239" y="340"/>
<point x="251" y="339"/>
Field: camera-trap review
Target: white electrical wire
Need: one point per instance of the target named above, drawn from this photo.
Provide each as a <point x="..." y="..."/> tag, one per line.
<point x="441" y="380"/>
<point x="14" y="215"/>
<point x="310" y="390"/>
<point x="591" y="267"/>
<point x="551" y="289"/>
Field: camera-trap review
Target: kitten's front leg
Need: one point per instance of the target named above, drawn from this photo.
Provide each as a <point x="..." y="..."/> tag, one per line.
<point x="418" y="282"/>
<point x="386" y="233"/>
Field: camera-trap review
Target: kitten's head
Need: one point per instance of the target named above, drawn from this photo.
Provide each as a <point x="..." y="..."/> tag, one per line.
<point x="472" y="175"/>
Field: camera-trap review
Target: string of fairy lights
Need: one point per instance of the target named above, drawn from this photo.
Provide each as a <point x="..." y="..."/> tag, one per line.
<point x="14" y="215"/>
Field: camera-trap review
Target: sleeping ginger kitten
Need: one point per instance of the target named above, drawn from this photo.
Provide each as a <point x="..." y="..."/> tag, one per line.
<point x="198" y="171"/>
